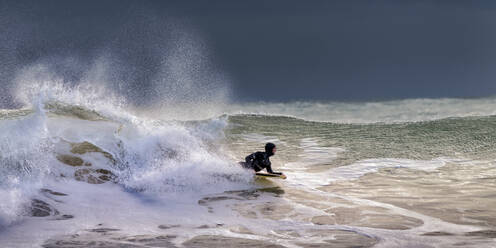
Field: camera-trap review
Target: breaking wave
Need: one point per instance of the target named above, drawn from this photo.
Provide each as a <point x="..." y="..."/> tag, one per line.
<point x="87" y="135"/>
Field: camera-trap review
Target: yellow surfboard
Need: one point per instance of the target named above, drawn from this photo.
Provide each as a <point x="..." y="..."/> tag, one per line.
<point x="270" y="175"/>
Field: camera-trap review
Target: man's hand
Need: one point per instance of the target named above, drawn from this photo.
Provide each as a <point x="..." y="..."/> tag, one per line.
<point x="280" y="175"/>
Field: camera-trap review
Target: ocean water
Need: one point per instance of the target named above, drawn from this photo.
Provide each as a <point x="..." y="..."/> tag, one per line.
<point x="81" y="170"/>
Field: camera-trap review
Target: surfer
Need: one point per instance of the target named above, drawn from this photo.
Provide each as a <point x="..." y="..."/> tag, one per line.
<point x="260" y="160"/>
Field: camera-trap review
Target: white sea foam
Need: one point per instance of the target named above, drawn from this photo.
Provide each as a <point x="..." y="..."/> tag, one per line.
<point x="259" y="138"/>
<point x="301" y="176"/>
<point x="360" y="168"/>
<point x="363" y="167"/>
<point x="23" y="164"/>
<point x="410" y="110"/>
<point x="313" y="154"/>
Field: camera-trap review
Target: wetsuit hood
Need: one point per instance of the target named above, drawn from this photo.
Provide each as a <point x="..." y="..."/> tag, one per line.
<point x="268" y="148"/>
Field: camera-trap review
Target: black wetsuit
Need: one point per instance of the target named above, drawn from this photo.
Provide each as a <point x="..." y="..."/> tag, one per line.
<point x="259" y="161"/>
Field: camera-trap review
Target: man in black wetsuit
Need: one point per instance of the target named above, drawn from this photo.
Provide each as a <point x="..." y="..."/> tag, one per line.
<point x="260" y="160"/>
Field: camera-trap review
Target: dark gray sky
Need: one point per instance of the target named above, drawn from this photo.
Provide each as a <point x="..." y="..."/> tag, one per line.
<point x="271" y="50"/>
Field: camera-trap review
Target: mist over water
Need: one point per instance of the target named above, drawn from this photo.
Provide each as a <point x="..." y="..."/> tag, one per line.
<point x="146" y="58"/>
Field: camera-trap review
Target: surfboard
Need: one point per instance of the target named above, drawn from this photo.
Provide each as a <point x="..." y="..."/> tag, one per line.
<point x="270" y="175"/>
<point x="262" y="174"/>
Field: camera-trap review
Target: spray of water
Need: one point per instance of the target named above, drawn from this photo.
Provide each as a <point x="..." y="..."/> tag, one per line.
<point x="130" y="116"/>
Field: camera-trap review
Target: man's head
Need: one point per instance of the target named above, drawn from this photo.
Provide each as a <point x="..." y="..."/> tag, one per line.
<point x="270" y="149"/>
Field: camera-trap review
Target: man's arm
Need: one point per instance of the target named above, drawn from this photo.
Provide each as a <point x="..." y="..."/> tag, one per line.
<point x="269" y="170"/>
<point x="249" y="159"/>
